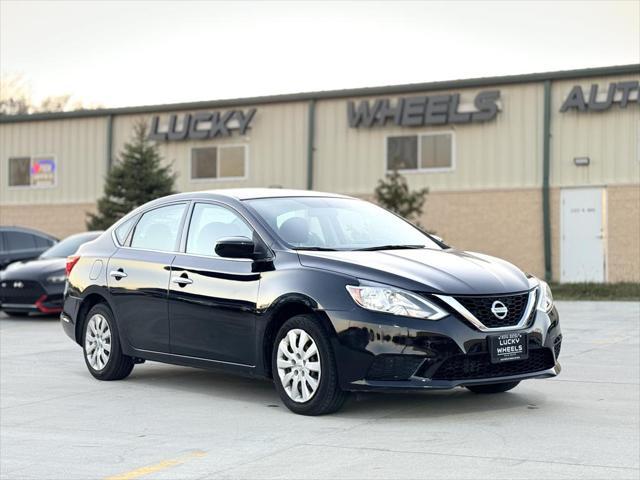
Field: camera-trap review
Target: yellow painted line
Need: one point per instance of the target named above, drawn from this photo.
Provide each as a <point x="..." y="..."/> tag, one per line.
<point x="149" y="469"/>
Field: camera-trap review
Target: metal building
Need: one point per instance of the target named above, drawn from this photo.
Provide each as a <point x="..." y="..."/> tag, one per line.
<point x="540" y="169"/>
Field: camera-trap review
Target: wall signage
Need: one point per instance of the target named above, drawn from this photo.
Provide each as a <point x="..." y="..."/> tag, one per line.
<point x="422" y="110"/>
<point x="43" y="171"/>
<point x="202" y="125"/>
<point x="620" y="93"/>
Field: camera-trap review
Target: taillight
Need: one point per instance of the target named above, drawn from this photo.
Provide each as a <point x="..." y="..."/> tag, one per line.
<point x="71" y="262"/>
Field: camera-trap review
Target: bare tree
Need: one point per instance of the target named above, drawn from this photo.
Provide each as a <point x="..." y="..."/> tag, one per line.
<point x="58" y="103"/>
<point x="15" y="99"/>
<point x="15" y="95"/>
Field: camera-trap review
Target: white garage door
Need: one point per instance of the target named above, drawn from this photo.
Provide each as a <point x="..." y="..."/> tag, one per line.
<point x="582" y="235"/>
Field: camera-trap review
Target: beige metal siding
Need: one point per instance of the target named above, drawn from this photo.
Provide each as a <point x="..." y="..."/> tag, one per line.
<point x="79" y="146"/>
<point x="502" y="153"/>
<point x="276" y="148"/>
<point x="610" y="139"/>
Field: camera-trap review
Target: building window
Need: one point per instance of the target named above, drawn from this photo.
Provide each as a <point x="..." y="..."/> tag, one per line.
<point x="426" y="152"/>
<point x="223" y="162"/>
<point x="402" y="153"/>
<point x="204" y="163"/>
<point x="19" y="172"/>
<point x="37" y="171"/>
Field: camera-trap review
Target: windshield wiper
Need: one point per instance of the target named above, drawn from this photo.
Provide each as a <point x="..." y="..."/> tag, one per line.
<point x="388" y="247"/>
<point x="316" y="249"/>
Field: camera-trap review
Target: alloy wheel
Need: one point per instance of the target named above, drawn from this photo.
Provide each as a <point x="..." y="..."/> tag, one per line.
<point x="97" y="343"/>
<point x="299" y="365"/>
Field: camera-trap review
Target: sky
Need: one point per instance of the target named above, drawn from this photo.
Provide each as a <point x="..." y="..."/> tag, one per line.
<point x="117" y="53"/>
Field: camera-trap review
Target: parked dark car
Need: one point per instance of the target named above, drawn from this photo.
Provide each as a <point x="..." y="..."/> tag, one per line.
<point x="37" y="285"/>
<point x="19" y="243"/>
<point x="324" y="293"/>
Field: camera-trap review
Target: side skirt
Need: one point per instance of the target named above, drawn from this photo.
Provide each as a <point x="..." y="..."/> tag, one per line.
<point x="197" y="362"/>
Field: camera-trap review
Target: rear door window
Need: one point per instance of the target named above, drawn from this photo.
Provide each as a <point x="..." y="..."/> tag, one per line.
<point x="16" y="241"/>
<point x="159" y="229"/>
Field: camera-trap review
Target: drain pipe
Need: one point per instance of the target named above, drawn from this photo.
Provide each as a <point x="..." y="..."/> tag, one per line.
<point x="109" y="142"/>
<point x="311" y="122"/>
<point x="546" y="160"/>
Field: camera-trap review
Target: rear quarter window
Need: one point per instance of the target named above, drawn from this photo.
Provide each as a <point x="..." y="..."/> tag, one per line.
<point x="123" y="230"/>
<point x="43" y="242"/>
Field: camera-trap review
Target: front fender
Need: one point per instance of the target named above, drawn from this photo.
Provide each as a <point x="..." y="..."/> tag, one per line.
<point x="291" y="289"/>
<point x="320" y="289"/>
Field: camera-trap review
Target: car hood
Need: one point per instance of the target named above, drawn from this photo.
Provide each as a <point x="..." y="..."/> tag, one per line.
<point x="437" y="271"/>
<point x="33" y="269"/>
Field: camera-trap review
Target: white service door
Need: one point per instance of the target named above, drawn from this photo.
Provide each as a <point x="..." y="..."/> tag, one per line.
<point x="582" y="235"/>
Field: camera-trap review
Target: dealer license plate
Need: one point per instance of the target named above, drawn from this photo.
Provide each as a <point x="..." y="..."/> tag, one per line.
<point x="508" y="346"/>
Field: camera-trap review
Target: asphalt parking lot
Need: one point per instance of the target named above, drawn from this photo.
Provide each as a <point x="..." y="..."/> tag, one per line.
<point x="167" y="422"/>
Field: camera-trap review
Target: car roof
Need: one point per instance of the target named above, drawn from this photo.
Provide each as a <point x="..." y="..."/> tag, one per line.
<point x="26" y="230"/>
<point x="255" y="193"/>
<point x="230" y="194"/>
<point x="90" y="233"/>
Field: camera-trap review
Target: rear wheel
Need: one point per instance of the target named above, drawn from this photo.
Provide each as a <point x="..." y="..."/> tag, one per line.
<point x="304" y="368"/>
<point x="493" y="387"/>
<point x="101" y="345"/>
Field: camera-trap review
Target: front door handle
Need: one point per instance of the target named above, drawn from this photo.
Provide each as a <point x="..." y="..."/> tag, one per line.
<point x="118" y="274"/>
<point x="182" y="281"/>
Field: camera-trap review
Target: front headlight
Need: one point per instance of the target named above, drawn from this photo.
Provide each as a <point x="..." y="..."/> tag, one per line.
<point x="56" y="278"/>
<point x="546" y="298"/>
<point x="395" y="301"/>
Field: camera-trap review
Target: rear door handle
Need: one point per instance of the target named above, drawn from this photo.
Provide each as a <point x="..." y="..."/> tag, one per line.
<point x="182" y="281"/>
<point x="117" y="274"/>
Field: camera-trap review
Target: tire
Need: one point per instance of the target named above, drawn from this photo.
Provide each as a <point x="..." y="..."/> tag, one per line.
<point x="319" y="367"/>
<point x="493" y="387"/>
<point x="16" y="314"/>
<point x="117" y="365"/>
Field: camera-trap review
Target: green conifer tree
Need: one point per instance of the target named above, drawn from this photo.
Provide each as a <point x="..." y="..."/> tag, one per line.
<point x="393" y="194"/>
<point x="135" y="179"/>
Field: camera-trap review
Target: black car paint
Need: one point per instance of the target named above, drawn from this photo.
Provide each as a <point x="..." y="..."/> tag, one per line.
<point x="8" y="256"/>
<point x="33" y="275"/>
<point x="228" y="316"/>
<point x="41" y="296"/>
<point x="436" y="271"/>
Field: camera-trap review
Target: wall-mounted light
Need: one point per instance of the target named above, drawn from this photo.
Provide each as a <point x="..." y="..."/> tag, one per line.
<point x="581" y="161"/>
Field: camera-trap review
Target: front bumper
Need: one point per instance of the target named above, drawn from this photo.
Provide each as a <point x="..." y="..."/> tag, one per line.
<point x="31" y="296"/>
<point x="376" y="351"/>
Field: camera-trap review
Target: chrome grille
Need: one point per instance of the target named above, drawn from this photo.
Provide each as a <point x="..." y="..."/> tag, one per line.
<point x="517" y="309"/>
<point x="480" y="307"/>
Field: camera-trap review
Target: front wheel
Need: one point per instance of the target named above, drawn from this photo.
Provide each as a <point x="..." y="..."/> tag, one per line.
<point x="493" y="387"/>
<point x="304" y="368"/>
<point x="101" y="346"/>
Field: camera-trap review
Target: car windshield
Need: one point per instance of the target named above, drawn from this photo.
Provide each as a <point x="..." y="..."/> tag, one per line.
<point x="68" y="246"/>
<point x="324" y="223"/>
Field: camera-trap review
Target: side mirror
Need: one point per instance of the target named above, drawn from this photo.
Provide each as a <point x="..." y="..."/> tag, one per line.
<point x="235" y="247"/>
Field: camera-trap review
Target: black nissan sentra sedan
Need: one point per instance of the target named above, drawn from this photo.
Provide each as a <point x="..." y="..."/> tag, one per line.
<point x="324" y="293"/>
<point x="36" y="286"/>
